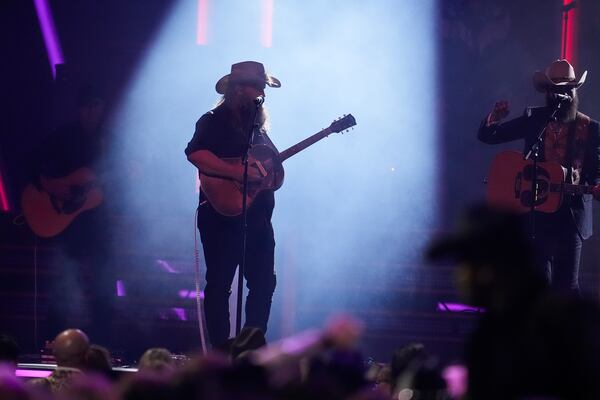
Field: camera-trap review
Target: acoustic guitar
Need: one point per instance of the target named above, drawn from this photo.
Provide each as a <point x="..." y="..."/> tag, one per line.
<point x="47" y="215"/>
<point x="225" y="195"/>
<point x="509" y="184"/>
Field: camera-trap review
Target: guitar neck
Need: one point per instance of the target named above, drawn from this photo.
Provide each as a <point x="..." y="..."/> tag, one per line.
<point x="298" y="147"/>
<point x="570" y="188"/>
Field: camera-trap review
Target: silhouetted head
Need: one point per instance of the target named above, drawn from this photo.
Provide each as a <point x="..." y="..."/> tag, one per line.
<point x="70" y="348"/>
<point x="559" y="79"/>
<point x="147" y="385"/>
<point x="156" y="359"/>
<point x="97" y="359"/>
<point x="494" y="255"/>
<point x="90" y="105"/>
<point x="9" y="351"/>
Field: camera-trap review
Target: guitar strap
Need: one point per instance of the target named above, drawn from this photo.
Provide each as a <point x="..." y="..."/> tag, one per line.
<point x="573" y="126"/>
<point x="570" y="150"/>
<point x="261" y="137"/>
<point x="578" y="135"/>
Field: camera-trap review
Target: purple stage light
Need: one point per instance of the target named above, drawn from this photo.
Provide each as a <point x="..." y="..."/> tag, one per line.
<point x="49" y="33"/>
<point x="457" y="307"/>
<point x="121" y="289"/>
<point x="180" y="313"/>
<point x="189" y="294"/>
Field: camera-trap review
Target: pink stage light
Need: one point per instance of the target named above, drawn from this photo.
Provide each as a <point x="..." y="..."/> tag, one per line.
<point x="457" y="378"/>
<point x="202" y="29"/>
<point x="189" y="294"/>
<point x="4" y="206"/>
<point x="32" y="373"/>
<point x="266" y="34"/>
<point x="49" y="33"/>
<point x="569" y="31"/>
<point x="179" y="313"/>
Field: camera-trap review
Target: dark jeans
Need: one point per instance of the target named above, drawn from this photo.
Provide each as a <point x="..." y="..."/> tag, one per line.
<point x="558" y="250"/>
<point x="222" y="244"/>
<point x="83" y="271"/>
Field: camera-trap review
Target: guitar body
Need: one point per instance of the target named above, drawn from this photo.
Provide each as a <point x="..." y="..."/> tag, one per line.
<point x="225" y="195"/>
<point x="509" y="184"/>
<point x="48" y="216"/>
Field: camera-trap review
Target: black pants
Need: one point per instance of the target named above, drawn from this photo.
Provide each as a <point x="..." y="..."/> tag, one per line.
<point x="222" y="244"/>
<point x="83" y="272"/>
<point x="558" y="249"/>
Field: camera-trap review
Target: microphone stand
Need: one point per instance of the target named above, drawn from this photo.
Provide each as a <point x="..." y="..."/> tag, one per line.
<point x="250" y="139"/>
<point x="533" y="153"/>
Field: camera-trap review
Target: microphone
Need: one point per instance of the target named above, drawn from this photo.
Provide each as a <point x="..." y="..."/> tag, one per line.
<point x="562" y="98"/>
<point x="259" y="101"/>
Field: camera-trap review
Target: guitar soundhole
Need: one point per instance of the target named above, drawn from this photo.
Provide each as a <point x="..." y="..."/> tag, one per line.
<point x="71" y="205"/>
<point x="527" y="198"/>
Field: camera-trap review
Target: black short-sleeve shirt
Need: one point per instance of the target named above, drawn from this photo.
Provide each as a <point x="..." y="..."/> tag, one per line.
<point x="215" y="133"/>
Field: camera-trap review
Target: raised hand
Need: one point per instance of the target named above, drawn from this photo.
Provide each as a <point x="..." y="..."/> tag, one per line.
<point x="499" y="112"/>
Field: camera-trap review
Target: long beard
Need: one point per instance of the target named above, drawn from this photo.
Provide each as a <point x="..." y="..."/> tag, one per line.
<point x="243" y="116"/>
<point x="567" y="112"/>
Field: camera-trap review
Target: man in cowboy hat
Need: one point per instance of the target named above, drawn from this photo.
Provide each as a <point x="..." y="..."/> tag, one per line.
<point x="572" y="140"/>
<point x="223" y="133"/>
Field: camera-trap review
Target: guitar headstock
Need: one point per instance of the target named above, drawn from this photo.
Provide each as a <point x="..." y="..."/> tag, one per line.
<point x="342" y="123"/>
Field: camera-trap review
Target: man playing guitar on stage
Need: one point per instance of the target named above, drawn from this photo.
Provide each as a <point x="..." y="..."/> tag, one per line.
<point x="571" y="140"/>
<point x="222" y="134"/>
<point x="67" y="204"/>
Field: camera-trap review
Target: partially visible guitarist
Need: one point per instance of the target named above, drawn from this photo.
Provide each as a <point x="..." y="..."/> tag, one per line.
<point x="69" y="161"/>
<point x="572" y="140"/>
<point x="222" y="133"/>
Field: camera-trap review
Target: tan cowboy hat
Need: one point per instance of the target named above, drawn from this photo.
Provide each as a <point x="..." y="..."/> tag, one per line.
<point x="246" y="71"/>
<point x="558" y="74"/>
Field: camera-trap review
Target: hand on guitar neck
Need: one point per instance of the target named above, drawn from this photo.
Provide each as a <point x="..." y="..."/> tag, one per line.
<point x="220" y="179"/>
<point x="70" y="187"/>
